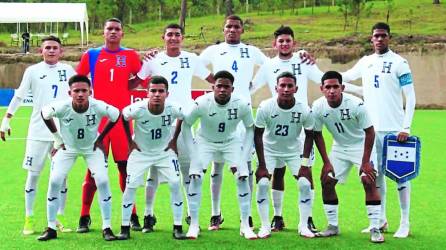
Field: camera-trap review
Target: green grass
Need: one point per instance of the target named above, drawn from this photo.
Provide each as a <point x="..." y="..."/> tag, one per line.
<point x="427" y="213"/>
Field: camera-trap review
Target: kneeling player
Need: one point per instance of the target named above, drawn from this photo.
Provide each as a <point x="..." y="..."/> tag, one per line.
<point x="151" y="149"/>
<point x="220" y="114"/>
<point x="282" y="118"/>
<point x="347" y="120"/>
<point x="79" y="119"/>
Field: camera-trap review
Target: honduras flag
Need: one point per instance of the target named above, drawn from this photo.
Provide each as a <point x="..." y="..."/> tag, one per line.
<point x="401" y="161"/>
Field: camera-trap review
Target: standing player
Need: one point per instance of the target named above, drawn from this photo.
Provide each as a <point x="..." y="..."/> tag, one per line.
<point x="347" y="120"/>
<point x="279" y="122"/>
<point x="179" y="67"/>
<point x="386" y="76"/>
<point x="79" y="119"/>
<point x="151" y="149"/>
<point x="47" y="81"/>
<point x="239" y="59"/>
<point x="110" y="68"/>
<point x="220" y="114"/>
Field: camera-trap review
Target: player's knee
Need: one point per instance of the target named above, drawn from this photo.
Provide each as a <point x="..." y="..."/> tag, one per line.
<point x="328" y="183"/>
<point x="367" y="182"/>
<point x="174" y="185"/>
<point x="263" y="185"/>
<point x="279" y="173"/>
<point x="304" y="184"/>
<point x="101" y="181"/>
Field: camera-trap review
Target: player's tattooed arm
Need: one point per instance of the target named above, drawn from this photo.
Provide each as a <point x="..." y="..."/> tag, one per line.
<point x="327" y="173"/>
<point x="366" y="166"/>
<point x="132" y="144"/>
<point x="261" y="171"/>
<point x="173" y="142"/>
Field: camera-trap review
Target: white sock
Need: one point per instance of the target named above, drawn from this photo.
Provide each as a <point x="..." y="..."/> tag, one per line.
<point x="404" y="196"/>
<point x="304" y="200"/>
<point x="244" y="200"/>
<point x="151" y="187"/>
<point x="176" y="202"/>
<point x="128" y="198"/>
<point x="374" y="213"/>
<point x="263" y="201"/>
<point x="194" y="194"/>
<point x="381" y="185"/>
<point x="184" y="168"/>
<point x="250" y="182"/>
<point x="104" y="200"/>
<point x="30" y="191"/>
<point x="216" y="180"/>
<point x="331" y="211"/>
<point x="53" y="197"/>
<point x="277" y="196"/>
<point x="312" y="202"/>
<point x="63" y="198"/>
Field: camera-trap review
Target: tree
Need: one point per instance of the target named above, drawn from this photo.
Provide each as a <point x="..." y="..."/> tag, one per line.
<point x="229" y="7"/>
<point x="436" y="2"/>
<point x="389" y="5"/>
<point x="344" y="8"/>
<point x="183" y="12"/>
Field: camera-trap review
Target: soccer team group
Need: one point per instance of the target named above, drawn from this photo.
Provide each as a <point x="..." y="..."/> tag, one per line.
<point x="76" y="115"/>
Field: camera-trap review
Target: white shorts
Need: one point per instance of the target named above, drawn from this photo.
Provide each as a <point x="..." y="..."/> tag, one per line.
<point x="225" y="152"/>
<point x="343" y="160"/>
<point x="165" y="163"/>
<point x="63" y="161"/>
<point x="240" y="136"/>
<point x="292" y="162"/>
<point x="35" y="154"/>
<point x="183" y="152"/>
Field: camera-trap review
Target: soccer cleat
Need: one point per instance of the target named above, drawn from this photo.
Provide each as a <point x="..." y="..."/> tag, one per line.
<point x="60" y="225"/>
<point x="216" y="221"/>
<point x="311" y="226"/>
<point x="28" y="228"/>
<point x="187" y="219"/>
<point x="193" y="232"/>
<point x="134" y="223"/>
<point x="149" y="222"/>
<point x="124" y="234"/>
<point x="247" y="233"/>
<point x="402" y="232"/>
<point x="48" y="234"/>
<point x="305" y="232"/>
<point x="330" y="231"/>
<point x="108" y="235"/>
<point x="177" y="232"/>
<point x="277" y="224"/>
<point x="383" y="228"/>
<point x="84" y="224"/>
<point x="376" y="236"/>
<point x="264" y="232"/>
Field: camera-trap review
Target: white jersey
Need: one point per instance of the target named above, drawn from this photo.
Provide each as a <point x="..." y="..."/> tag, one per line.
<point x="152" y="132"/>
<point x="238" y="59"/>
<point x="219" y="122"/>
<point x="383" y="77"/>
<point x="80" y="130"/>
<point x="303" y="72"/>
<point x="283" y="127"/>
<point x="47" y="83"/>
<point x="346" y="122"/>
<point x="179" y="72"/>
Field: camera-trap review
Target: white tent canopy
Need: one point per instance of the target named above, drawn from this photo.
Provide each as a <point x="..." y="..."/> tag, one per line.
<point x="45" y="13"/>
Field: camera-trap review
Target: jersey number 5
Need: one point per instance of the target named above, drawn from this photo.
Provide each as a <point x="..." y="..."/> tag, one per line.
<point x="376" y="84"/>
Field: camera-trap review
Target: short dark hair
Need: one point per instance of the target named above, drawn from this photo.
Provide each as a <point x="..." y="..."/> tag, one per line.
<point x="381" y="26"/>
<point x="113" y="19"/>
<point x="224" y="74"/>
<point x="174" y="26"/>
<point x="79" y="78"/>
<point x="159" y="80"/>
<point x="284" y="30"/>
<point x="234" y="17"/>
<point x="52" y="38"/>
<point x="331" y="75"/>
<point x="286" y="74"/>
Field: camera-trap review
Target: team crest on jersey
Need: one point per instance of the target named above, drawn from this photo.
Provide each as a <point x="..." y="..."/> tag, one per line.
<point x="295" y="117"/>
<point x="244" y="53"/>
<point x="345" y="114"/>
<point x="121" y="61"/>
<point x="232" y="114"/>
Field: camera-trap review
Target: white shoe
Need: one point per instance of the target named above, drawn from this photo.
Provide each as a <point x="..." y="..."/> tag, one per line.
<point x="193" y="232"/>
<point x="247" y="233"/>
<point x="383" y="228"/>
<point x="264" y="232"/>
<point x="61" y="227"/>
<point x="376" y="236"/>
<point x="305" y="232"/>
<point x="402" y="232"/>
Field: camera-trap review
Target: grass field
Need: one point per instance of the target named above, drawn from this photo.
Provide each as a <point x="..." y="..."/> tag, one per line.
<point x="427" y="214"/>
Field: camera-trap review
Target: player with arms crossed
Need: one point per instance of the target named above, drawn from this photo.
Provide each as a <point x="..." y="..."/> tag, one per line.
<point x="386" y="76"/>
<point x="220" y="113"/>
<point x="279" y="122"/>
<point x="347" y="120"/>
<point x="79" y="119"/>
<point x="151" y="149"/>
<point x="47" y="81"/>
<point x="110" y="68"/>
<point x="179" y="67"/>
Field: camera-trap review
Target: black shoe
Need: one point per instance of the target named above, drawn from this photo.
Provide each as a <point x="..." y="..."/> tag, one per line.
<point x="134" y="223"/>
<point x="216" y="221"/>
<point x="311" y="225"/>
<point x="84" y="224"/>
<point x="108" y="235"/>
<point x="124" y="234"/>
<point x="187" y="219"/>
<point x="251" y="224"/>
<point x="48" y="234"/>
<point x="178" y="233"/>
<point x="149" y="222"/>
<point x="277" y="224"/>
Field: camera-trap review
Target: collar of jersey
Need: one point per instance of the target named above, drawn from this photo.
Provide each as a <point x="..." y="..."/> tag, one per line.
<point x="385" y="54"/>
<point x="113" y="52"/>
<point x="51" y="66"/>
